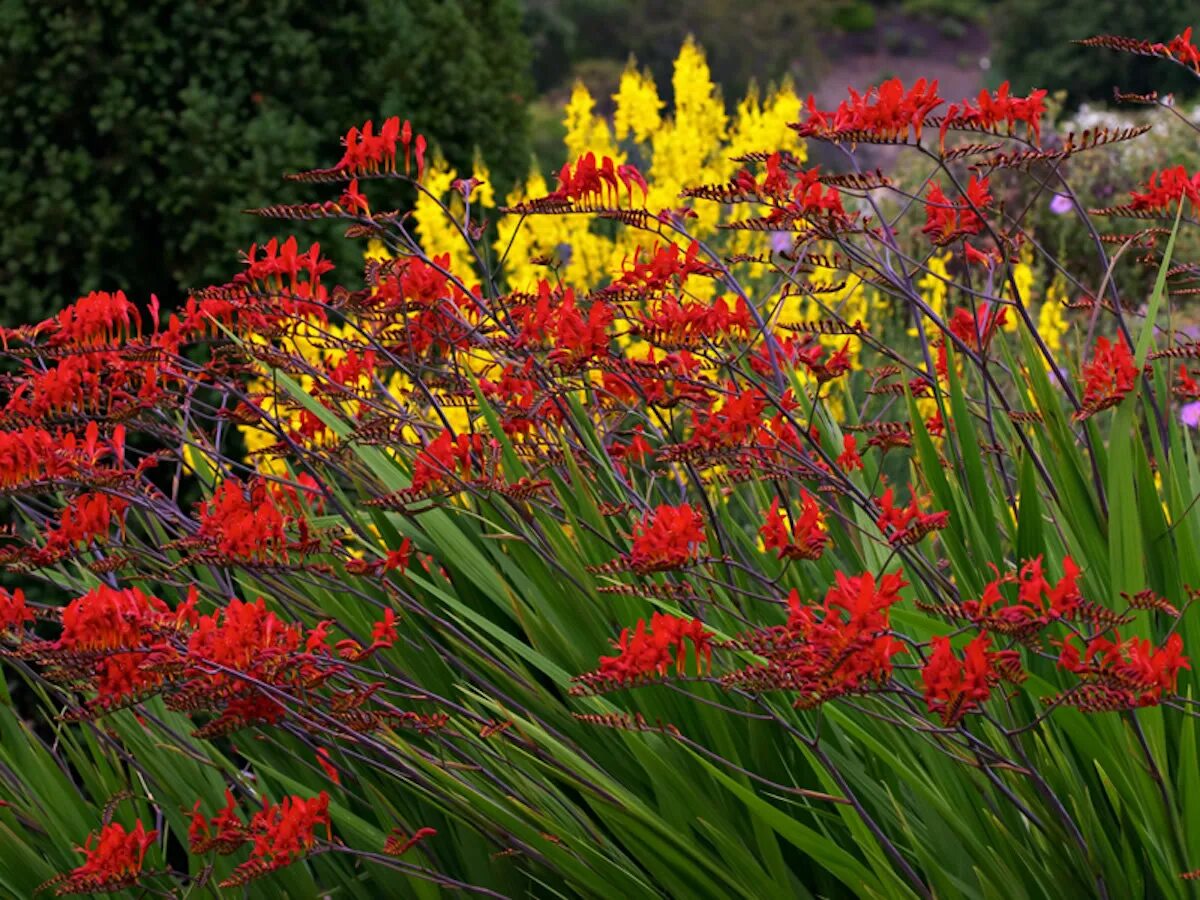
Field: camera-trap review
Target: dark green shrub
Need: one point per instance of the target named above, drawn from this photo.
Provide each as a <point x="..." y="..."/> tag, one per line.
<point x="1034" y="46"/>
<point x="132" y="134"/>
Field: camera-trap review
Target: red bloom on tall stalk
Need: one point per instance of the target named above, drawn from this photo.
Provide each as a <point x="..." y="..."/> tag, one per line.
<point x="907" y="524"/>
<point x="886" y="112"/>
<point x="667" y="538"/>
<point x="1165" y="188"/>
<point x="1108" y="377"/>
<point x="842" y="646"/>
<point x="947" y="221"/>
<point x="807" y="536"/>
<point x="1122" y="674"/>
<point x="990" y="111"/>
<point x="281" y="833"/>
<point x="955" y="687"/>
<point x="650" y="652"/>
<point x="1038" y="602"/>
<point x="113" y="861"/>
<point x="14" y="612"/>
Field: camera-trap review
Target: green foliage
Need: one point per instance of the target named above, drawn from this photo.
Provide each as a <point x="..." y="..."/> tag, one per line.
<point x="1034" y="45"/>
<point x="133" y="134"/>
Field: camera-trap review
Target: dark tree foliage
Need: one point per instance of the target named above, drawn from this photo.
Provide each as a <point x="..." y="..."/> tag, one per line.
<point x="1034" y="46"/>
<point x="132" y="134"/>
<point x="745" y="39"/>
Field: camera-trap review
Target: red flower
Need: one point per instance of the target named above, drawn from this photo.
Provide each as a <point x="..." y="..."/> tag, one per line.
<point x="977" y="330"/>
<point x="597" y="184"/>
<point x="1038" y="603"/>
<point x="281" y="834"/>
<point x="1182" y="49"/>
<point x="1165" y="188"/>
<point x="667" y="538"/>
<point x="224" y="833"/>
<point x="806" y="539"/>
<point x="946" y="221"/>
<point x="1108" y="378"/>
<point x="243" y="522"/>
<point x="14" y="613"/>
<point x="652" y="651"/>
<point x="990" y="111"/>
<point x="113" y="861"/>
<point x="907" y="524"/>
<point x="99" y="319"/>
<point x="886" y="112"/>
<point x="1186" y="387"/>
<point x="368" y="153"/>
<point x="955" y="687"/>
<point x="830" y="650"/>
<point x="849" y="459"/>
<point x="1132" y="671"/>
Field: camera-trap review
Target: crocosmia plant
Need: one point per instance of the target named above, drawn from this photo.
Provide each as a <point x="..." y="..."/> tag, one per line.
<point x="701" y="522"/>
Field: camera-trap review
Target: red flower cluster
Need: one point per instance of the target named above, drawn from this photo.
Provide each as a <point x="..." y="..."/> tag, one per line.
<point x="445" y="458"/>
<point x="1038" y="603"/>
<point x="830" y="650"/>
<point x="113" y="861"/>
<point x="1121" y="674"/>
<point x="599" y="184"/>
<point x="1185" y="387"/>
<point x="87" y="519"/>
<point x="886" y="112"/>
<point x="650" y="652"/>
<point x="1182" y="49"/>
<point x="907" y="524"/>
<point x="807" y="537"/>
<point x="284" y="261"/>
<point x="667" y="538"/>
<point x="955" y="687"/>
<point x="243" y="522"/>
<point x="946" y="222"/>
<point x="672" y="323"/>
<point x="849" y="459"/>
<point x="281" y="834"/>
<point x="14" y="612"/>
<point x="1108" y="377"/>
<point x="99" y="319"/>
<point x="368" y="153"/>
<point x="1165" y="188"/>
<point x="977" y="329"/>
<point x="668" y="268"/>
<point x="811" y="355"/>
<point x="729" y="421"/>
<point x="990" y="111"/>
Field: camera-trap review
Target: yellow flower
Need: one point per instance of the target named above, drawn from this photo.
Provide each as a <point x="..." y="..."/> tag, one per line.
<point x="1023" y="277"/>
<point x="1052" y="323"/>
<point x="437" y="233"/>
<point x="637" y="105"/>
<point x="934" y="286"/>
<point x="586" y="130"/>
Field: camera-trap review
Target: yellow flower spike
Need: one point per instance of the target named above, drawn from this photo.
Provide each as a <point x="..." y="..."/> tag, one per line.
<point x="637" y="105"/>
<point x="934" y="286"/>
<point x="1024" y="277"/>
<point x="377" y="251"/>
<point x="1052" y="324"/>
<point x="586" y="131"/>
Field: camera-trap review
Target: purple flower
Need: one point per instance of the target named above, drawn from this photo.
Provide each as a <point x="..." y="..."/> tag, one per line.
<point x="1189" y="414"/>
<point x="781" y="241"/>
<point x="1061" y="204"/>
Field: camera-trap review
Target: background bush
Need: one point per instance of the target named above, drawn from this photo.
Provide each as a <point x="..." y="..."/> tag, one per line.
<point x="132" y="134"/>
<point x="1034" y="46"/>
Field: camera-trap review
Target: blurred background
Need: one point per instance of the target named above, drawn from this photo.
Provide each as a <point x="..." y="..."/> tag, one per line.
<point x="132" y="134"/>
